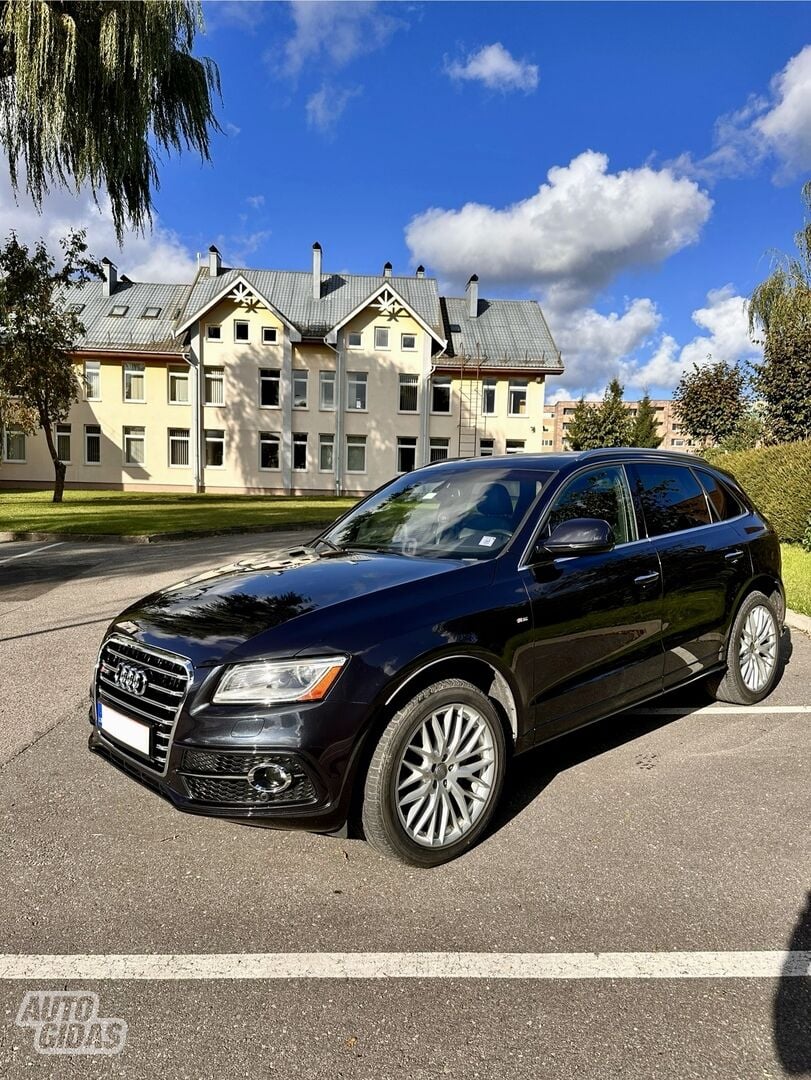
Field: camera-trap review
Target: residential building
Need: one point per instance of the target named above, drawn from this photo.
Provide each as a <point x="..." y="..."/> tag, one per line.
<point x="558" y="415"/>
<point x="290" y="381"/>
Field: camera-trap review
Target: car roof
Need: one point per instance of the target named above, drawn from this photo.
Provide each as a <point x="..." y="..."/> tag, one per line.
<point x="567" y="459"/>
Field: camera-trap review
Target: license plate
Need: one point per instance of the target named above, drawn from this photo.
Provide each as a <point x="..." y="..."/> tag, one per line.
<point x="123" y="728"/>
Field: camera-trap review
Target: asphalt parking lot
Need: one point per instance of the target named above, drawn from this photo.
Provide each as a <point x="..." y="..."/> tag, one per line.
<point x="654" y="834"/>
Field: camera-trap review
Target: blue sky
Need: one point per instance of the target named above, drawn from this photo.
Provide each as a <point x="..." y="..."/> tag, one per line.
<point x="678" y="136"/>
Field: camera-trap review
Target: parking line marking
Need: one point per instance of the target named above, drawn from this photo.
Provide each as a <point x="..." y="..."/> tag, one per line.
<point x="407" y="965"/>
<point x="23" y="554"/>
<point x="722" y="710"/>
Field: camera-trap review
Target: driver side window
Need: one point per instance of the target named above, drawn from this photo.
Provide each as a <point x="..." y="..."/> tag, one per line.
<point x="598" y="493"/>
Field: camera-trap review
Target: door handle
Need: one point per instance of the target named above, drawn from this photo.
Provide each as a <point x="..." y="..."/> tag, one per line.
<point x="647" y="579"/>
<point x="733" y="556"/>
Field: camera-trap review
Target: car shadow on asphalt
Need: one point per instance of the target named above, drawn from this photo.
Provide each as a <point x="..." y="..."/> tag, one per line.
<point x="792" y="1003"/>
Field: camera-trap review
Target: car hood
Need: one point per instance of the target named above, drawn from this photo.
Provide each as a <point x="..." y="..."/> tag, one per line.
<point x="208" y="618"/>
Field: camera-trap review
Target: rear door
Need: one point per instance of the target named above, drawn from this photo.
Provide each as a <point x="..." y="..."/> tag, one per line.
<point x="704" y="565"/>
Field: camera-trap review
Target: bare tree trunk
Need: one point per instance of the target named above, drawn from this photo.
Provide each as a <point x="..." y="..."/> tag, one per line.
<point x="59" y="466"/>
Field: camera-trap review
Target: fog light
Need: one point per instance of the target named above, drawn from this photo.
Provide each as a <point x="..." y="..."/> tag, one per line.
<point x="270" y="778"/>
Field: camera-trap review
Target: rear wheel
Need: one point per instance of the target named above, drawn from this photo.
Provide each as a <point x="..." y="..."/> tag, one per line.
<point x="435" y="776"/>
<point x="753" y="654"/>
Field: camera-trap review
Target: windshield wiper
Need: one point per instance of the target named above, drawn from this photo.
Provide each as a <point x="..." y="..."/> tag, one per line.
<point x="328" y="544"/>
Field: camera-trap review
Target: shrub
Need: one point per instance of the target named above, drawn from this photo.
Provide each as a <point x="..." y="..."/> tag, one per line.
<point x="807" y="537"/>
<point x="778" y="480"/>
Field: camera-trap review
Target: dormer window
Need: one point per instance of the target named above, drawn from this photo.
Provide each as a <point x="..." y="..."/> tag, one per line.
<point x="151" y="313"/>
<point x="270" y="335"/>
<point x="118" y="311"/>
<point x="213" y="332"/>
<point x="74" y="309"/>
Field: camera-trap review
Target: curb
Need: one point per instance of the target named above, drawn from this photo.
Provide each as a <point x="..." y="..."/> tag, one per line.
<point x="797" y="621"/>
<point x="161" y="538"/>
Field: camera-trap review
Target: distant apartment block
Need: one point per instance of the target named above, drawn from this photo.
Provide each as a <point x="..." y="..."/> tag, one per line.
<point x="275" y="381"/>
<point x="558" y="416"/>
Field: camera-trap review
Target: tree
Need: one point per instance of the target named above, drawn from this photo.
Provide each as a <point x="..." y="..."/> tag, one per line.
<point x="91" y="92"/>
<point x="780" y="310"/>
<point x="644" y="428"/>
<point x="709" y="401"/>
<point x="613" y="418"/>
<point x="582" y="432"/>
<point x="39" y="332"/>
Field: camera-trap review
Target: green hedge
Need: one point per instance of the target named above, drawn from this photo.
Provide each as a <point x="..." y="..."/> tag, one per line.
<point x="778" y="480"/>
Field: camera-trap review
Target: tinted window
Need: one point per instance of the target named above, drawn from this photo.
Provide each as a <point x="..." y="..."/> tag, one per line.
<point x="723" y="502"/>
<point x="601" y="493"/>
<point x="672" y="499"/>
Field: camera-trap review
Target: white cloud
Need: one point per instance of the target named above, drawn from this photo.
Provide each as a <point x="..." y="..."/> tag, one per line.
<point x="255" y="201"/>
<point x="497" y="68"/>
<point x="232" y="129"/>
<point x="576" y="233"/>
<point x="340" y="31"/>
<point x="159" y="255"/>
<point x="326" y="106"/>
<point x="725" y="319"/>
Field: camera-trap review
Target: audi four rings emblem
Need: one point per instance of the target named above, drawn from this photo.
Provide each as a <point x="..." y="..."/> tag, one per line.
<point x="132" y="679"/>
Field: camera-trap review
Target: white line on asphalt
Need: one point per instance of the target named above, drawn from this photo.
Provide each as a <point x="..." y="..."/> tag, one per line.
<point x="398" y="965"/>
<point x="722" y="710"/>
<point x="36" y="551"/>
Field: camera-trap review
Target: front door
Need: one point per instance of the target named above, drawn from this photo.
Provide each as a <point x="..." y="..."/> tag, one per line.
<point x="596" y="636"/>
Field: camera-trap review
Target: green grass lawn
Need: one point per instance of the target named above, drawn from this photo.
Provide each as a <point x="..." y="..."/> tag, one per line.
<point x="797" y="577"/>
<point x="128" y="513"/>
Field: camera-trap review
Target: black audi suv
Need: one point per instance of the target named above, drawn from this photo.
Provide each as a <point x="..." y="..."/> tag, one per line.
<point x="382" y="676"/>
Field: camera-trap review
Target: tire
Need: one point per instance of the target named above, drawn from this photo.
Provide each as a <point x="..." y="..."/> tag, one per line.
<point x="753" y="654"/>
<point x="429" y="828"/>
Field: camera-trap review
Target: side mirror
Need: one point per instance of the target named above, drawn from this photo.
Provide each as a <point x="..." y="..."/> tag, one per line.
<point x="578" y="536"/>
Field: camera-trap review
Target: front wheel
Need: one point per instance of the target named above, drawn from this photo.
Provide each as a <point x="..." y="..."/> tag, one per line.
<point x="435" y="776"/>
<point x="753" y="654"/>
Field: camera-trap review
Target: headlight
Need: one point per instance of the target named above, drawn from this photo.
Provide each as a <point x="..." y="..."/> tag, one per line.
<point x="271" y="682"/>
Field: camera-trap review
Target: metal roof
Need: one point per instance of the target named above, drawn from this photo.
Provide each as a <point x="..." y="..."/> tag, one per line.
<point x="504" y="334"/>
<point x="131" y="332"/>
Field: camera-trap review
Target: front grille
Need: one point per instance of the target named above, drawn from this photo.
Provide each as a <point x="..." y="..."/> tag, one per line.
<point x="222" y="778"/>
<point x="165" y="682"/>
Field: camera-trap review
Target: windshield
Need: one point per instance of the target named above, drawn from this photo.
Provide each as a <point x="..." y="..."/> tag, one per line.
<point x="452" y="512"/>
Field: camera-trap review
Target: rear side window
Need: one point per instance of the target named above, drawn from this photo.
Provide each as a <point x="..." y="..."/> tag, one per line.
<point x="723" y="503"/>
<point x="672" y="499"/>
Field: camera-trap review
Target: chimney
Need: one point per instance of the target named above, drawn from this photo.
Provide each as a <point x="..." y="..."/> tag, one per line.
<point x="214" y="262"/>
<point x="110" y="278"/>
<point x="387" y="270"/>
<point x="317" y="255"/>
<point x="420" y="271"/>
<point x="472" y="290"/>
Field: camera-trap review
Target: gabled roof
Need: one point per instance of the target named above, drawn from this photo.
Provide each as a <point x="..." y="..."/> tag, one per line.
<point x="504" y="334"/>
<point x="191" y="314"/>
<point x="290" y="293"/>
<point x="131" y="332"/>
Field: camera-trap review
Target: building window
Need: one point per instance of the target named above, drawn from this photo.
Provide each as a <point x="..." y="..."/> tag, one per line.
<point x="92" y="380"/>
<point x="178" y="386"/>
<point x="118" y="311"/>
<point x="408" y="393"/>
<point x="515" y="446"/>
<point x="299" y="451"/>
<point x="15" y="445"/>
<point x="356" y="390"/>
<point x="178" y="446"/>
<point x="270" y="335"/>
<point x="92" y="444"/>
<point x="299" y="389"/>
<point x="408" y="342"/>
<point x="74" y="309"/>
<point x="381" y="337"/>
<point x="215" y="386"/>
<point x="215" y="449"/>
<point x="151" y="313"/>
<point x="678" y="442"/>
<point x="213" y="332"/>
<point x="441" y="394"/>
<point x="356" y="453"/>
<point x="547" y="442"/>
<point x="518" y="397"/>
<point x="134" y="380"/>
<point x="486" y="447"/>
<point x="63" y="442"/>
<point x="406" y="453"/>
<point x="269" y="388"/>
<point x="354" y="339"/>
<point x="326" y="389"/>
<point x="326" y="453"/>
<point x="489" y="397"/>
<point x="269" y="455"/>
<point x="134" y="446"/>
<point x="242" y="330"/>
<point x="439" y="449"/>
